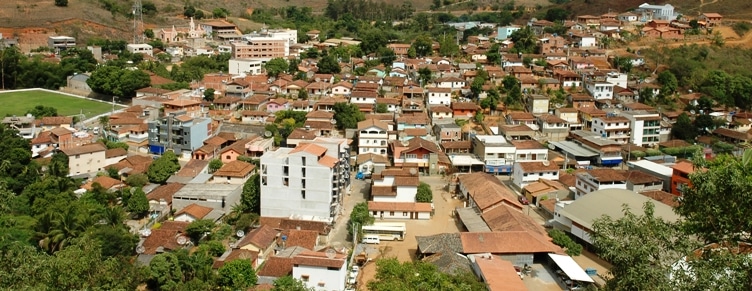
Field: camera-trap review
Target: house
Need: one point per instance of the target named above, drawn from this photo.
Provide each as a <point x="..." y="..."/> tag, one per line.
<point x="26" y="125"/>
<point x="600" y="90"/>
<point x="373" y="136"/>
<point x="537" y="104"/>
<point x="554" y="127"/>
<point x="495" y="151"/>
<point x="645" y="127"/>
<point x="440" y="112"/>
<point x="342" y="88"/>
<point x="452" y="83"/>
<point x="439" y="96"/>
<point x="660" y="12"/>
<point x="598" y="179"/>
<point x="160" y="199"/>
<point x="400" y="210"/>
<point x="132" y="165"/>
<point x="520" y="118"/>
<point x="181" y="133"/>
<point x="680" y="177"/>
<point x="504" y="32"/>
<point x="484" y="191"/>
<point x="372" y="163"/>
<point x="399" y="49"/>
<point x="194" y="212"/>
<point x="307" y="181"/>
<point x="234" y="172"/>
<point x="164" y="238"/>
<point x="320" y="270"/>
<point x="628" y="17"/>
<point x="278" y="104"/>
<point x="545" y="189"/>
<point x="447" y="132"/>
<point x="639" y="181"/>
<point x="262" y="240"/>
<point x="616" y="128"/>
<point x="497" y="273"/>
<point x="253" y="116"/>
<point x="587" y="147"/>
<point x="710" y="19"/>
<point x="424" y="153"/>
<point x="582" y="40"/>
<point x="85" y="159"/>
<point x="529" y="151"/>
<point x="524" y="174"/>
<point x="516" y="132"/>
<point x="107" y="183"/>
<point x="221" y="197"/>
<point x="51" y="122"/>
<point x="577" y="217"/>
<point x="364" y="97"/>
<point x="236" y="254"/>
<point x="464" y="110"/>
<point x="456" y="147"/>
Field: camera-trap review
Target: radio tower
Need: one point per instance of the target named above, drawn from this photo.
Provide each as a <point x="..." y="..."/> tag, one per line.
<point x="138" y="22"/>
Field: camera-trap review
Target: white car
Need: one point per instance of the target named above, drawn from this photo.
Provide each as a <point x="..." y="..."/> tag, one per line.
<point x="352" y="278"/>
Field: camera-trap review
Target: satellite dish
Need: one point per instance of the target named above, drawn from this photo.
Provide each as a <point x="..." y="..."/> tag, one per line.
<point x="413" y="171"/>
<point x="331" y="253"/>
<point x="240" y="233"/>
<point x="546" y="163"/>
<point x="140" y="249"/>
<point x="182" y="240"/>
<point x="267" y="133"/>
<point x="145" y="232"/>
<point x="334" y="121"/>
<point x="692" y="112"/>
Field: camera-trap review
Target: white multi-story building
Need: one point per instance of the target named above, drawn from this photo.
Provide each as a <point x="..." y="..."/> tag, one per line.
<point x="495" y="151"/>
<point x="618" y="79"/>
<point x="598" y="179"/>
<point x="527" y="173"/>
<point x="373" y="137"/>
<point x="84" y="159"/>
<point x="363" y="97"/>
<point x="439" y="96"/>
<point x="615" y="128"/>
<point x="645" y="127"/>
<point x="307" y="181"/>
<point x="245" y="66"/>
<point x="140" y="48"/>
<point x="453" y="83"/>
<point x="529" y="151"/>
<point x="600" y="90"/>
<point x="320" y="270"/>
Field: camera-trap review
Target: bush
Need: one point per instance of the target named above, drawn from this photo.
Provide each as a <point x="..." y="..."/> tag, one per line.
<point x="741" y="28"/>
<point x="563" y="240"/>
<point x="213" y="247"/>
<point x="425" y="194"/>
<point x="653" y="152"/>
<point x="638" y="154"/>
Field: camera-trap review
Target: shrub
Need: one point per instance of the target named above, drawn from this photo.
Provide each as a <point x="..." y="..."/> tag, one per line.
<point x="563" y="240"/>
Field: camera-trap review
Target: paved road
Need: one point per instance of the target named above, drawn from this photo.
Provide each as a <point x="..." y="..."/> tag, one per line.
<point x="358" y="193"/>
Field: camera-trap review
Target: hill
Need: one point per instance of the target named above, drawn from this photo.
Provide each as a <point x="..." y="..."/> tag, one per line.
<point x="728" y="8"/>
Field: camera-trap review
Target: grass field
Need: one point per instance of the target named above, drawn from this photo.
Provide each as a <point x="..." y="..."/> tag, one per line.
<point x="19" y="102"/>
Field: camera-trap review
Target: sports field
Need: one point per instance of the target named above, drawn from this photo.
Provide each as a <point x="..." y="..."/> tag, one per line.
<point x="19" y="102"/>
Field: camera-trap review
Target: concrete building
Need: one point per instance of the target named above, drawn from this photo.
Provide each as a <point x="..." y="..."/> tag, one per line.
<point x="495" y="151"/>
<point x="439" y="96"/>
<point x="598" y="179"/>
<point x="140" y="48"/>
<point x="220" y="197"/>
<point x="260" y="48"/>
<point x="245" y="66"/>
<point x="84" y="159"/>
<point x="600" y="90"/>
<point x="650" y="12"/>
<point x="645" y="127"/>
<point x="527" y="173"/>
<point x="180" y="133"/>
<point x="373" y="137"/>
<point x="537" y="104"/>
<point x="612" y="127"/>
<point x="320" y="270"/>
<point x="60" y="42"/>
<point x="504" y="32"/>
<point x="307" y="181"/>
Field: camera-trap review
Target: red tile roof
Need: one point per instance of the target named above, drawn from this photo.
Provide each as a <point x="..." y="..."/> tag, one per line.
<point x="196" y="211"/>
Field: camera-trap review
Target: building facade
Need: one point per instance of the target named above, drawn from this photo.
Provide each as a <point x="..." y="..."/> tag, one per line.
<point x="179" y="133"/>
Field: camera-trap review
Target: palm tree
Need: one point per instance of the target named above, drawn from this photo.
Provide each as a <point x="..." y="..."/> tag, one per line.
<point x="61" y="229"/>
<point x="104" y="122"/>
<point x="112" y="216"/>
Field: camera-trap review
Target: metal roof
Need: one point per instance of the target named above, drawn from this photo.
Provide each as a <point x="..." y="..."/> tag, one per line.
<point x="472" y="220"/>
<point x="574" y="149"/>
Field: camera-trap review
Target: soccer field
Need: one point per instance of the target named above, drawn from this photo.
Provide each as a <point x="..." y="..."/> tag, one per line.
<point x="19" y="102"/>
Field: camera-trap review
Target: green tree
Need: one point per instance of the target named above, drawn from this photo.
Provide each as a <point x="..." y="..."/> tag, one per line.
<point x="209" y="94"/>
<point x="683" y="128"/>
<point x="250" y="198"/>
<point x="137" y="180"/>
<point x="381" y="108"/>
<point x="165" y="271"/>
<point x="63" y="228"/>
<point x="199" y="228"/>
<point x="561" y="239"/>
<point x="148" y="33"/>
<point x="372" y="40"/>
<point x="40" y="111"/>
<point x="214" y="165"/>
<point x="423" y="45"/>
<point x="448" y="47"/>
<point x="237" y="275"/>
<point x="115" y="240"/>
<point x="115" y="81"/>
<point x="641" y="249"/>
<point x="163" y="167"/>
<point x="512" y="88"/>
<point x="419" y="275"/>
<point x="493" y="54"/>
<point x="214" y="248"/>
<point x="138" y="204"/>
<point x="425" y="75"/>
<point x="58" y="165"/>
<point x="347" y="115"/>
<point x="328" y="65"/>
<point x="424" y="194"/>
<point x="288" y="283"/>
<point x="669" y="83"/>
<point x="524" y="40"/>
<point x="220" y="12"/>
<point x="276" y="66"/>
<point x="360" y="216"/>
<point x="61" y="3"/>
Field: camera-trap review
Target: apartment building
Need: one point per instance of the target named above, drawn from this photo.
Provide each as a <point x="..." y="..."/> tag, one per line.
<point x="600" y="90"/>
<point x="645" y="127"/>
<point x="307" y="181"/>
<point x="86" y="159"/>
<point x="373" y="137"/>
<point x="180" y="133"/>
<point x="495" y="151"/>
<point x="264" y="48"/>
<point x="616" y="128"/>
<point x="598" y="179"/>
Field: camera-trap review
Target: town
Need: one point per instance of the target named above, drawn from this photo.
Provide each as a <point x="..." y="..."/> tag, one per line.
<point x="571" y="152"/>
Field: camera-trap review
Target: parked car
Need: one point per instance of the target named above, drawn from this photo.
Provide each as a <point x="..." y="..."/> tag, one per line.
<point x="523" y="200"/>
<point x="371" y="240"/>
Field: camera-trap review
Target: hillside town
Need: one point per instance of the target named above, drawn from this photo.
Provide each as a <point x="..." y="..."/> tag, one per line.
<point x="499" y="159"/>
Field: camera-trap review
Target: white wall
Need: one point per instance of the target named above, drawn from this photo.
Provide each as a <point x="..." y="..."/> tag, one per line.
<point x="250" y="67"/>
<point x="332" y="279"/>
<point x="400" y="215"/>
<point x="86" y="163"/>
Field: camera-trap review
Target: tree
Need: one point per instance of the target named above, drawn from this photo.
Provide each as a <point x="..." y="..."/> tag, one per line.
<point x="524" y="40"/>
<point x="214" y="248"/>
<point x="58" y="165"/>
<point x="683" y="128"/>
<point x="220" y="12"/>
<point x="360" y="215"/>
<point x="641" y="248"/>
<point x="237" y="275"/>
<point x="419" y="275"/>
<point x="138" y="204"/>
<point x="423" y="45"/>
<point x="493" y="54"/>
<point x="149" y="33"/>
<point x="448" y="47"/>
<point x="288" y="283"/>
<point x="199" y="228"/>
<point x="479" y="116"/>
<point x="165" y="271"/>
<point x="161" y="169"/>
<point x="328" y="65"/>
<point x="116" y="81"/>
<point x="512" y="88"/>
<point x="276" y="66"/>
<point x="137" y="180"/>
<point x="209" y="94"/>
<point x="61" y="3"/>
<point x="250" y="198"/>
<point x="347" y="115"/>
<point x="40" y="111"/>
<point x="556" y="14"/>
<point x="424" y="194"/>
<point x="115" y="240"/>
<point x="668" y="81"/>
<point x="382" y="108"/>
<point x="563" y="240"/>
<point x="64" y="227"/>
<point x="214" y="165"/>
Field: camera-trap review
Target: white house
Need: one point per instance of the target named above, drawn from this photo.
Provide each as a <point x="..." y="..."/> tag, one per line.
<point x="84" y="159"/>
<point x="440" y="111"/>
<point x="342" y="88"/>
<point x="645" y="127"/>
<point x="537" y="104"/>
<point x="529" y="151"/>
<point x="453" y="83"/>
<point x="600" y="90"/>
<point x="584" y="40"/>
<point x="439" y="96"/>
<point x="363" y="97"/>
<point x="245" y="66"/>
<point x="598" y="179"/>
<point x="627" y="17"/>
<point x="320" y="270"/>
<point x="615" y="128"/>
<point x="660" y="12"/>
<point x="195" y="212"/>
<point x="400" y="210"/>
<point x="618" y="79"/>
<point x="140" y="48"/>
<point x="495" y="151"/>
<point x="524" y="174"/>
<point x="505" y="32"/>
<point x="373" y="137"/>
<point x="388" y="187"/>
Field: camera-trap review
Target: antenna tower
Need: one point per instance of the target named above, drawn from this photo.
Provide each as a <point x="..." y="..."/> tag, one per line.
<point x="138" y="22"/>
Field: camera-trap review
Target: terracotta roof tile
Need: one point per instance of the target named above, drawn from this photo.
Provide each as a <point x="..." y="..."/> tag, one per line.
<point x="276" y="267"/>
<point x="319" y="259"/>
<point x="116" y="152"/>
<point x="301" y="238"/>
<point x="507" y="242"/>
<point x="527" y="144"/>
<point x="310" y="148"/>
<point x="165" y="237"/>
<point x="261" y="237"/>
<point x="196" y="211"/>
<point x="236" y="254"/>
<point x="84" y="149"/>
<point x="536" y="167"/>
<point x="399" y="206"/>
<point x="237" y="169"/>
<point x="164" y="192"/>
<point x="104" y="181"/>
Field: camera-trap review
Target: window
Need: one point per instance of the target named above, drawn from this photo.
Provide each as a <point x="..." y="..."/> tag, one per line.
<point x="404" y="213"/>
<point x="411" y="156"/>
<point x="227" y="157"/>
<point x="304" y="278"/>
<point x="302" y="193"/>
<point x="391" y="213"/>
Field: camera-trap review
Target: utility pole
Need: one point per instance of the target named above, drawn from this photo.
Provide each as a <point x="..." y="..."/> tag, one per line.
<point x="138" y="21"/>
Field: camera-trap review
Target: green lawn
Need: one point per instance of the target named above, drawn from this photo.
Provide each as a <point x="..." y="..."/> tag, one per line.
<point x="19" y="102"/>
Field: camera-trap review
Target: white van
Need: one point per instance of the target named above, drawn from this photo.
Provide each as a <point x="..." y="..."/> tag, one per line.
<point x="371" y="239"/>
